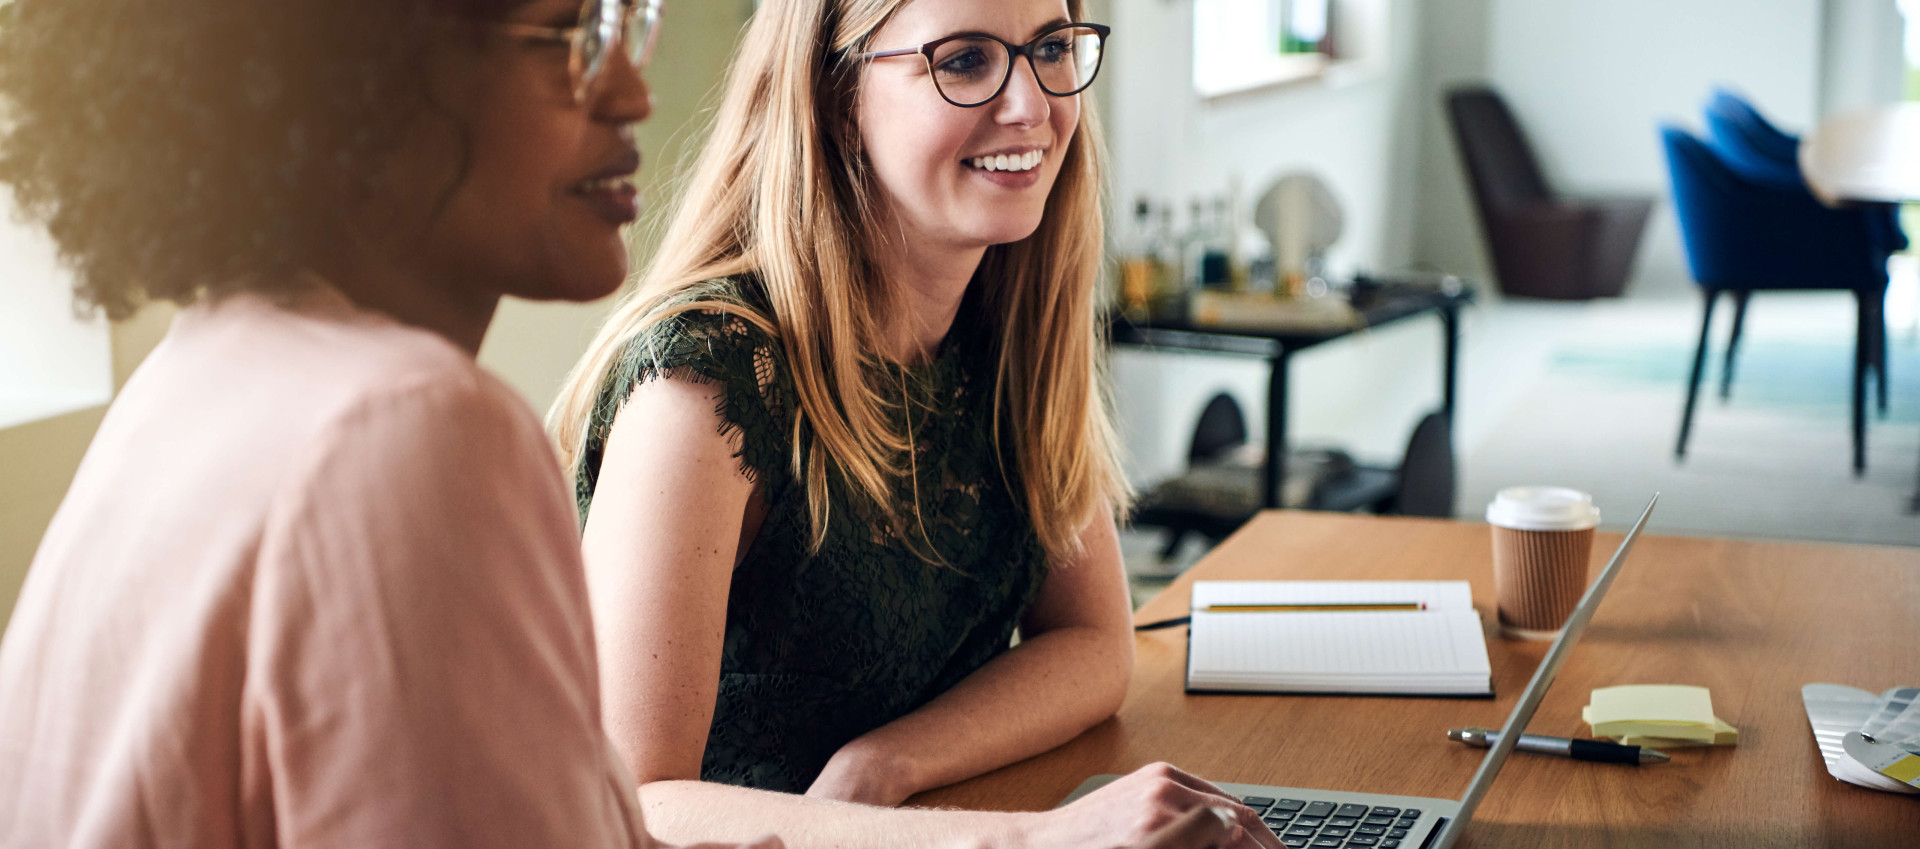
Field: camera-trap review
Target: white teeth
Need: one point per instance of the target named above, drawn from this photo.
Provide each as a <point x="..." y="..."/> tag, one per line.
<point x="607" y="185"/>
<point x="1018" y="162"/>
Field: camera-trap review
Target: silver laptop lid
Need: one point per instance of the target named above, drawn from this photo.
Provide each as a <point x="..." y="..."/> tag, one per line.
<point x="1537" y="688"/>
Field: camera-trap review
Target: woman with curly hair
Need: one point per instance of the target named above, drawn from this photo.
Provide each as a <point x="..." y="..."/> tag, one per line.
<point x="847" y="439"/>
<point x="317" y="581"/>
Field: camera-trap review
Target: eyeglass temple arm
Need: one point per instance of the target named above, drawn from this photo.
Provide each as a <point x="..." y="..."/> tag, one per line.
<point x="887" y="54"/>
<point x="536" y="31"/>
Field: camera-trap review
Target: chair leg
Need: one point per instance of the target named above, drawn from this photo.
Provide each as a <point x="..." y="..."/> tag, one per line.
<point x="1699" y="365"/>
<point x="1733" y="343"/>
<point x="1171" y="547"/>
<point x="1862" y="358"/>
<point x="1880" y="350"/>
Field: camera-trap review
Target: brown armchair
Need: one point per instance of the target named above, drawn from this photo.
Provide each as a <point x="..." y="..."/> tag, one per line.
<point x="1543" y="245"/>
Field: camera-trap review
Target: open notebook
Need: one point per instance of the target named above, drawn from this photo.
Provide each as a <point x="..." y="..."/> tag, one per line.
<point x="1436" y="651"/>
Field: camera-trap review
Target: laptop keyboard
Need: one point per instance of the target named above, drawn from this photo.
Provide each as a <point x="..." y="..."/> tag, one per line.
<point x="1325" y="825"/>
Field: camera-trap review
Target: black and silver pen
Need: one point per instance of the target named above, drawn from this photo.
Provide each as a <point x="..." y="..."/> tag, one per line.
<point x="1579" y="750"/>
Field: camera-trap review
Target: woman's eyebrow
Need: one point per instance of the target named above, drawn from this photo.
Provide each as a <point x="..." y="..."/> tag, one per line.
<point x="1047" y="26"/>
<point x="1056" y="22"/>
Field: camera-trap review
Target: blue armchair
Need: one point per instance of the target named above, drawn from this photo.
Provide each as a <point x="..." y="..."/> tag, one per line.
<point x="1734" y="123"/>
<point x="1764" y="153"/>
<point x="1744" y="235"/>
<point x="1760" y="151"/>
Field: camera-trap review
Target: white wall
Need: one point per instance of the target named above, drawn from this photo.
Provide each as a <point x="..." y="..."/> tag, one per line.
<point x="1864" y="58"/>
<point x="1453" y="52"/>
<point x="1357" y="133"/>
<point x="1591" y="80"/>
<point x="51" y="361"/>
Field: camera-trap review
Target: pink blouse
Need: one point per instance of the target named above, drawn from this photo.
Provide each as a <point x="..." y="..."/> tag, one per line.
<point x="317" y="584"/>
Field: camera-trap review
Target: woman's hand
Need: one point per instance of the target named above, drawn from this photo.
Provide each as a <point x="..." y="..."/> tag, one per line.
<point x="1201" y="828"/>
<point x="866" y="773"/>
<point x="1145" y="809"/>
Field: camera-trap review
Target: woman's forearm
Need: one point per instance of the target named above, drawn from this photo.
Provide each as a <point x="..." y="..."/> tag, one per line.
<point x="1131" y="811"/>
<point x="1033" y="698"/>
<point x="682" y="812"/>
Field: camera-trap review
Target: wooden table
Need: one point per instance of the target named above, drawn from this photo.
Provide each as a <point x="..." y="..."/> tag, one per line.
<point x="1751" y="621"/>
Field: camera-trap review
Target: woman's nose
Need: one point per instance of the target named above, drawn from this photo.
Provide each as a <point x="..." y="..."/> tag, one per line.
<point x="1022" y="103"/>
<point x="620" y="95"/>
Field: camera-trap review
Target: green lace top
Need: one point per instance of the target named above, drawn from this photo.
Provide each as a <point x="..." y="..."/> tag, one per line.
<point x="823" y="647"/>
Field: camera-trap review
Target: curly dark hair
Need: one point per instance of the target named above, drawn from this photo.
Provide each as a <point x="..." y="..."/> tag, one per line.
<point x="177" y="149"/>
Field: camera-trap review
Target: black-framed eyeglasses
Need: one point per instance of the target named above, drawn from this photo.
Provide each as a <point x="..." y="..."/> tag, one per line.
<point x="970" y="69"/>
<point x="605" y="26"/>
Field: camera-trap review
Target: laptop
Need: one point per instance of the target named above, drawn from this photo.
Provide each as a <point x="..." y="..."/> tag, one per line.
<point x="1325" y="819"/>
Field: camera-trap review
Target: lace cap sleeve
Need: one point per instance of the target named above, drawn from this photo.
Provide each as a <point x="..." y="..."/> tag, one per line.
<point x="716" y="347"/>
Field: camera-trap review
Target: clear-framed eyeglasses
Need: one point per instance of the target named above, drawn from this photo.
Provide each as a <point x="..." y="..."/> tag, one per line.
<point x="970" y="69"/>
<point x="604" y="26"/>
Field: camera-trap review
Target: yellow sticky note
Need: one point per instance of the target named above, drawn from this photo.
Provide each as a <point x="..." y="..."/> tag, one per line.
<point x="1665" y="703"/>
<point x="1670" y="711"/>
<point x="1723" y="735"/>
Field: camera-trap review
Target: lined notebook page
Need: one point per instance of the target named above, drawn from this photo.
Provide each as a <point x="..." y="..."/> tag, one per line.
<point x="1413" y="652"/>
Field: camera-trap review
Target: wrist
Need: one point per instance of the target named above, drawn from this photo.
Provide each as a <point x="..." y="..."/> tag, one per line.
<point x="1016" y="830"/>
<point x="888" y="771"/>
<point x="873" y="773"/>
<point x="1042" y="830"/>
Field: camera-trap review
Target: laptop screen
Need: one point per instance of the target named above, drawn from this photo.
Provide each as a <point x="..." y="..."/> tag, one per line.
<point x="1537" y="688"/>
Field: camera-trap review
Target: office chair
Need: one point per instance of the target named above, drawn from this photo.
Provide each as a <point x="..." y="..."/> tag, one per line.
<point x="1743" y="236"/>
<point x="1211" y="499"/>
<point x="1425" y="480"/>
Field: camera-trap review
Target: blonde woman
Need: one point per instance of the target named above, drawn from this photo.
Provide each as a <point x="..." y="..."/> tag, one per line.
<point x="845" y="440"/>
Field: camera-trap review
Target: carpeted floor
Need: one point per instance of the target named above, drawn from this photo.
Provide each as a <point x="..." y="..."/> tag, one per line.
<point x="1772" y="462"/>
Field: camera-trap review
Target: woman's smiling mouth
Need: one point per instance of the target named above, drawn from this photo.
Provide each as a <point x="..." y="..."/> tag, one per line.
<point x="611" y="193"/>
<point x="1008" y="162"/>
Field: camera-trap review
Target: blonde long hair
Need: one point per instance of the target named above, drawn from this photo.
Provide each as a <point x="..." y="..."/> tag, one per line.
<point x="782" y="191"/>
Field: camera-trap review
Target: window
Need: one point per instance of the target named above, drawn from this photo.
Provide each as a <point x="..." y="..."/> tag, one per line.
<point x="1241" y="45"/>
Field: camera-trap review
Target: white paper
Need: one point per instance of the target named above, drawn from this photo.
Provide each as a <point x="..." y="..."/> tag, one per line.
<point x="1413" y="652"/>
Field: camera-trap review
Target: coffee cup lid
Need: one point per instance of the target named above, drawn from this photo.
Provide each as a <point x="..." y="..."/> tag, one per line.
<point x="1543" y="508"/>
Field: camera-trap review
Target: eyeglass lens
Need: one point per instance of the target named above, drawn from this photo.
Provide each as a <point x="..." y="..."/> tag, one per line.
<point x="600" y="27"/>
<point x="972" y="70"/>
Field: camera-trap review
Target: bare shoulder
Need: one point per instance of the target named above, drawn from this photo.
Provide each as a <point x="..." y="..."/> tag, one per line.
<point x="668" y="424"/>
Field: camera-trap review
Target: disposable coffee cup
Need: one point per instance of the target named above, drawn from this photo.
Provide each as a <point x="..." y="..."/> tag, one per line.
<point x="1542" y="540"/>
